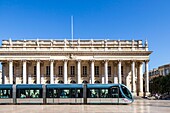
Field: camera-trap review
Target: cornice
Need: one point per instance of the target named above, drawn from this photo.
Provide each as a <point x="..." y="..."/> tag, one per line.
<point x="76" y="53"/>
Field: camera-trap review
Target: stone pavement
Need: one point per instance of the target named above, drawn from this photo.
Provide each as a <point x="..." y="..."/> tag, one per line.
<point x="139" y="106"/>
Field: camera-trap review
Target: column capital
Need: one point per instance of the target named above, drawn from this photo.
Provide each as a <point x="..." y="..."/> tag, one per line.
<point x="78" y="60"/>
<point x="133" y="60"/>
<point x="119" y="60"/>
<point x="51" y="60"/>
<point x="24" y="60"/>
<point x="10" y="60"/>
<point x="146" y="61"/>
<point x="65" y="60"/>
<point x="37" y="60"/>
<point x="106" y="60"/>
<point x="92" y="60"/>
<point x="140" y="62"/>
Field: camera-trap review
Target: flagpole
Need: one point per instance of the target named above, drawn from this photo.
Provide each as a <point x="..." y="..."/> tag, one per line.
<point x="72" y="30"/>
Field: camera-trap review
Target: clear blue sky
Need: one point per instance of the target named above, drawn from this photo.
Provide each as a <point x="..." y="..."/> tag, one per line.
<point x="97" y="19"/>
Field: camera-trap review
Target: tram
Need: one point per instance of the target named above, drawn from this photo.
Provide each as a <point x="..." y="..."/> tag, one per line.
<point x="65" y="94"/>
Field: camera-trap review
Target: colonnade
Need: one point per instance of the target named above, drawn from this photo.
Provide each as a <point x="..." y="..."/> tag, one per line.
<point x="119" y="64"/>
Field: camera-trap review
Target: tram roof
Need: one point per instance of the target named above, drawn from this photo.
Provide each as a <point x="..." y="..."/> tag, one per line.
<point x="101" y="85"/>
<point x="64" y="86"/>
<point x="28" y="86"/>
<point x="5" y="86"/>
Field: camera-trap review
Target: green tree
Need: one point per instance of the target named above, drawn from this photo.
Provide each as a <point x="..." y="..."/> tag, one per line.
<point x="160" y="84"/>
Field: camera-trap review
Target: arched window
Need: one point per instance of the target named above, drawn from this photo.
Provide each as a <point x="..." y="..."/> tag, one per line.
<point x="73" y="82"/>
<point x="35" y="81"/>
<point x="109" y="82"/>
<point x="97" y="82"/>
<point x="60" y="82"/>
<point x="47" y="82"/>
<point x="84" y="81"/>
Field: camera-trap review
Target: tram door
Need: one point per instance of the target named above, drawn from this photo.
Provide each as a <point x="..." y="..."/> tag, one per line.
<point x="115" y="94"/>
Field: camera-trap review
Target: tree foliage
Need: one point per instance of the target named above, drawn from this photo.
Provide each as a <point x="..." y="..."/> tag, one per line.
<point x="160" y="84"/>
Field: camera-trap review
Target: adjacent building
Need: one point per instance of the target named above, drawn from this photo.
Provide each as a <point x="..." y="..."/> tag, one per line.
<point x="160" y="71"/>
<point x="76" y="61"/>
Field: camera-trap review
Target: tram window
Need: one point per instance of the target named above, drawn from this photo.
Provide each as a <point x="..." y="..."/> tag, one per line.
<point x="76" y="93"/>
<point x="49" y="93"/>
<point x="29" y="93"/>
<point x="115" y="92"/>
<point x="79" y="93"/>
<point x="23" y="94"/>
<point x="94" y="93"/>
<point x="34" y="93"/>
<point x="52" y="93"/>
<point x="55" y="94"/>
<point x="126" y="92"/>
<point x="5" y="93"/>
<point x="64" y="93"/>
<point x="104" y="93"/>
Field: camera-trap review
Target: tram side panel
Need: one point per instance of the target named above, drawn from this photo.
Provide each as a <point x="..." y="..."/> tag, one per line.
<point x="64" y="94"/>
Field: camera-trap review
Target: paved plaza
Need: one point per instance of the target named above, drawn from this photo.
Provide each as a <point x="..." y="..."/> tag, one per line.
<point x="139" y="106"/>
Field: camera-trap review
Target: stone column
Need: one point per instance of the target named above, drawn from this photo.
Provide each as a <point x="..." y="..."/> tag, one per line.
<point x="146" y="79"/>
<point x="133" y="76"/>
<point x="106" y="71"/>
<point x="65" y="72"/>
<point x="24" y="72"/>
<point x="38" y="71"/>
<point x="119" y="73"/>
<point x="10" y="72"/>
<point x="51" y="71"/>
<point x="115" y="80"/>
<point x="79" y="71"/>
<point x="3" y="75"/>
<point x="140" y="79"/>
<point x="92" y="72"/>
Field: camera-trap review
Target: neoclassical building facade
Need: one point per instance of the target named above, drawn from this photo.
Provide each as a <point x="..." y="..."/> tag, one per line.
<point x="76" y="61"/>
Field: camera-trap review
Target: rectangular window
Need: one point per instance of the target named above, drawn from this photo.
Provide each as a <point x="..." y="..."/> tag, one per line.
<point x="22" y="71"/>
<point x="96" y="70"/>
<point x="72" y="69"/>
<point x="35" y="71"/>
<point x="84" y="70"/>
<point x="121" y="70"/>
<point x="47" y="70"/>
<point x="13" y="70"/>
<point x="60" y="70"/>
<point x="109" y="71"/>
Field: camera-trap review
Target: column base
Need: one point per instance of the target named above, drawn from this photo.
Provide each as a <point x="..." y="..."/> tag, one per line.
<point x="141" y="94"/>
<point x="134" y="94"/>
<point x="147" y="94"/>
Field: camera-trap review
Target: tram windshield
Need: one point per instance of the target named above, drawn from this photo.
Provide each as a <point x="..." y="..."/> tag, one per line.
<point x="126" y="92"/>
